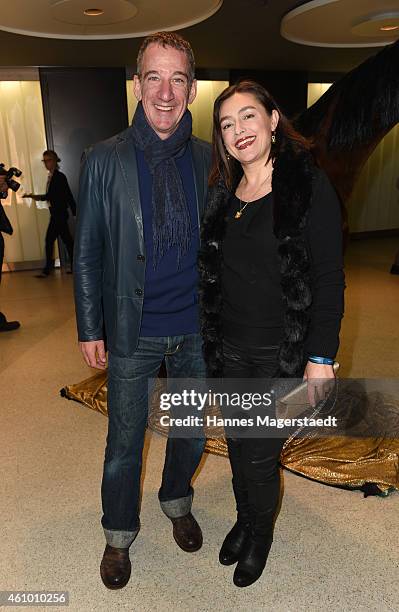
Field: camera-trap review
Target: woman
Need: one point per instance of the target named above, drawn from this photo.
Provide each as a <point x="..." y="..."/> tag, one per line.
<point x="272" y="288"/>
<point x="60" y="197"/>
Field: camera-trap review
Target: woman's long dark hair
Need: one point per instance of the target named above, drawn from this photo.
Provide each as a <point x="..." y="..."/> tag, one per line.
<point x="226" y="167"/>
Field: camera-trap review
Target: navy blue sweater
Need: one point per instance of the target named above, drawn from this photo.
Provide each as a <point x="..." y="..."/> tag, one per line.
<point x="170" y="295"/>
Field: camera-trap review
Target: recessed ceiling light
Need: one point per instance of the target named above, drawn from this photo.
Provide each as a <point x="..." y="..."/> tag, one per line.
<point x="93" y="12"/>
<point x="389" y="28"/>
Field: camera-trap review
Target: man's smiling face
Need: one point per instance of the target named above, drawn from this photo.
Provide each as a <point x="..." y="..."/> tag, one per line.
<point x="164" y="88"/>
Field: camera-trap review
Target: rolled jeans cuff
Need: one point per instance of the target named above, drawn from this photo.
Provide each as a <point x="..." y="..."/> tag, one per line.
<point x="119" y="539"/>
<point x="175" y="508"/>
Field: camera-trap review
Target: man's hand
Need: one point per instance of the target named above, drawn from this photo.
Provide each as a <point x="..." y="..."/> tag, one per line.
<point x="94" y="353"/>
<point x="320" y="378"/>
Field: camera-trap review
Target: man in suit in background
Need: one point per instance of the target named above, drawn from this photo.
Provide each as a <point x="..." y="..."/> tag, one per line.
<point x="59" y="195"/>
<point x="141" y="197"/>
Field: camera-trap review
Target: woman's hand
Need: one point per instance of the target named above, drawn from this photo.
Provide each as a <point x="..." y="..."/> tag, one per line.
<point x="319" y="379"/>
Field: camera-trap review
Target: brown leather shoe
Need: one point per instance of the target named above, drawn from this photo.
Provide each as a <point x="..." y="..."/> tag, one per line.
<point x="115" y="567"/>
<point x="187" y="533"/>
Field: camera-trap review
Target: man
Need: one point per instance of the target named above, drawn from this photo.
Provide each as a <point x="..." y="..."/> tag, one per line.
<point x="6" y="227"/>
<point x="60" y="197"/>
<point x="141" y="196"/>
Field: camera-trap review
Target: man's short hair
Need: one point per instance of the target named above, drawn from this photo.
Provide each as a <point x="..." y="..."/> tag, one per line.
<point x="168" y="39"/>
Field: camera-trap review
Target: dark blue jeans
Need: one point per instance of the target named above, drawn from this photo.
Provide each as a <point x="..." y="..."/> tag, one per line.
<point x="128" y="392"/>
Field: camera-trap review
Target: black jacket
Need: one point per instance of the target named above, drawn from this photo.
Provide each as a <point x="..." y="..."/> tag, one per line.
<point x="109" y="256"/>
<point x="312" y="321"/>
<point x="59" y="195"/>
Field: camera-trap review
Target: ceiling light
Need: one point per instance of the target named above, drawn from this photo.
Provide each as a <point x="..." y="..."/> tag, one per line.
<point x="93" y="12"/>
<point x="388" y="28"/>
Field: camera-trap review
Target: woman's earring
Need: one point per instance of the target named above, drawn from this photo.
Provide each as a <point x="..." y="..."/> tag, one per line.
<point x="274" y="137"/>
<point x="227" y="154"/>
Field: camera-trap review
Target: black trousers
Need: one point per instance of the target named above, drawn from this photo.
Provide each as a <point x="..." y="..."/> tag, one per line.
<point x="58" y="227"/>
<point x="254" y="462"/>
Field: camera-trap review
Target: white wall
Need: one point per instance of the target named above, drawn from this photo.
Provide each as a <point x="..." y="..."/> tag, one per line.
<point x="22" y="142"/>
<point x="374" y="204"/>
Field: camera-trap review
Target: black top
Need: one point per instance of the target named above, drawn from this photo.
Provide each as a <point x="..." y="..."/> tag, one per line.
<point x="253" y="308"/>
<point x="59" y="195"/>
<point x="251" y="287"/>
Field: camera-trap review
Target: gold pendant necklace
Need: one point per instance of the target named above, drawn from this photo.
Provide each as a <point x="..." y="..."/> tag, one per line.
<point x="238" y="214"/>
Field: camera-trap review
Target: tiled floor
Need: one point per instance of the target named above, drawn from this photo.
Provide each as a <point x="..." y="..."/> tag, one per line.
<point x="333" y="549"/>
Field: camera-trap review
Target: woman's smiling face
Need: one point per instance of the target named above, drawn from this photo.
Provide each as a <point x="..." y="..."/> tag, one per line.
<point x="246" y="127"/>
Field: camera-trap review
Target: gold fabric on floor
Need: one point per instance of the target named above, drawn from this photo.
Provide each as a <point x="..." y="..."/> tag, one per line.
<point x="339" y="460"/>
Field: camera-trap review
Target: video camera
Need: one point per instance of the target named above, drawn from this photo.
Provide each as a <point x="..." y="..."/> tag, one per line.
<point x="8" y="174"/>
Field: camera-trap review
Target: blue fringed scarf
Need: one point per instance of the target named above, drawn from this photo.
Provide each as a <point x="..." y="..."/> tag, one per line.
<point x="171" y="225"/>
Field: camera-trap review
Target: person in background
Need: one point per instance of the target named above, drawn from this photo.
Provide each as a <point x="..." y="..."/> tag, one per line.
<point x="6" y="227"/>
<point x="60" y="198"/>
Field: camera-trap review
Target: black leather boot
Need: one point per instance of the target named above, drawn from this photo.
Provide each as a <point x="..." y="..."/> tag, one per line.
<point x="252" y="559"/>
<point x="234" y="542"/>
<point x="235" y="539"/>
<point x="263" y="481"/>
<point x="254" y="554"/>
